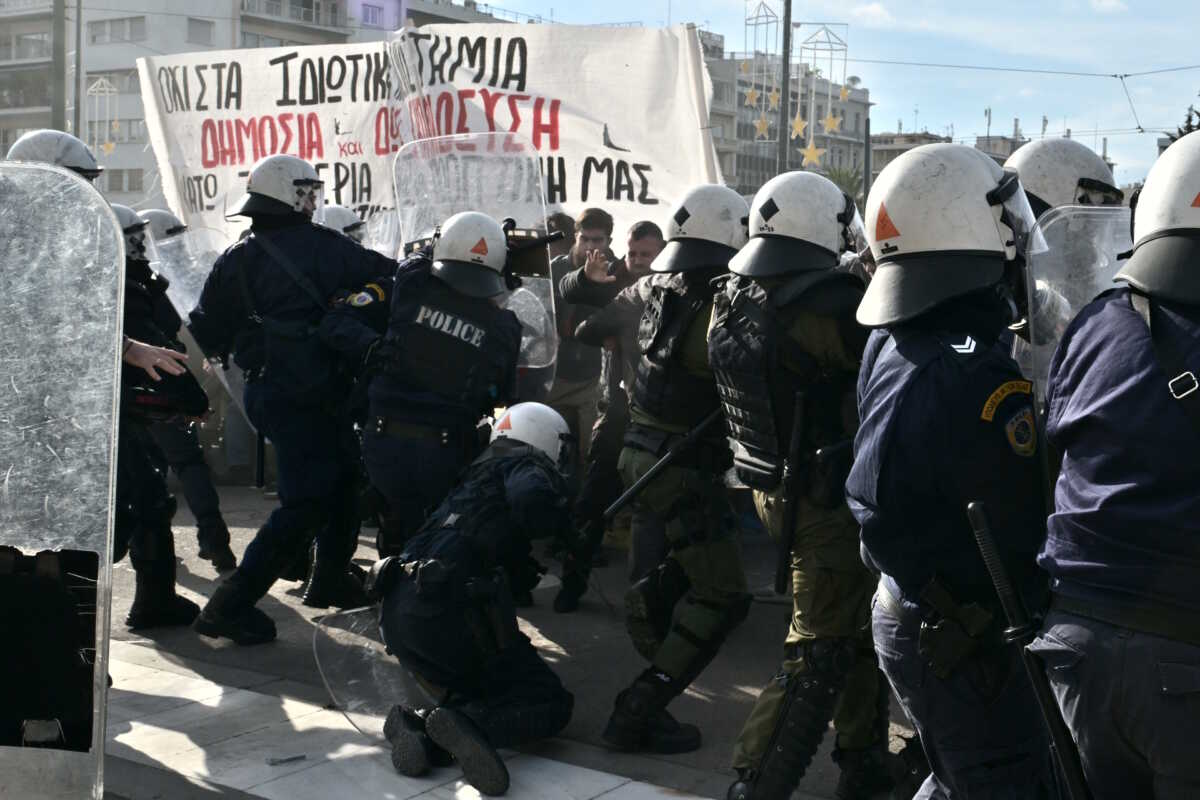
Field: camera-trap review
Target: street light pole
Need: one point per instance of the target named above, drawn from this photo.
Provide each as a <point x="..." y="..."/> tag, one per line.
<point x="781" y="160"/>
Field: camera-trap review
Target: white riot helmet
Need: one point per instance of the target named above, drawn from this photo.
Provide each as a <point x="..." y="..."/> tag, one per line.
<point x="943" y="220"/>
<point x="470" y="253"/>
<point x="163" y="224"/>
<point x="707" y="229"/>
<point x="799" y="222"/>
<point x="56" y="147"/>
<point x="538" y="426"/>
<point x="138" y="246"/>
<point x="1063" y="172"/>
<point x="343" y="220"/>
<point x="281" y="184"/>
<point x="1166" y="227"/>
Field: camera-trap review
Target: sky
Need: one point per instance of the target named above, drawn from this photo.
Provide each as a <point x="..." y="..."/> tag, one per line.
<point x="1093" y="36"/>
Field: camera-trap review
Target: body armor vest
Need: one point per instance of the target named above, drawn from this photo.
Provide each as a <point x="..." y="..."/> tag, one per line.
<point x="662" y="386"/>
<point x="747" y="345"/>
<point x="447" y="343"/>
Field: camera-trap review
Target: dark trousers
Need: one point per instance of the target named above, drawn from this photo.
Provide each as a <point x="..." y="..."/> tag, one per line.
<point x="981" y="728"/>
<point x="181" y="448"/>
<point x="1132" y="702"/>
<point x="413" y="475"/>
<point x="142" y="524"/>
<point x="317" y="460"/>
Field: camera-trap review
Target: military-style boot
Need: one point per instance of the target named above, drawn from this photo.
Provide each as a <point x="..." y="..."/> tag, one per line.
<point x="155" y="603"/>
<point x="865" y="773"/>
<point x="640" y="721"/>
<point x="413" y="752"/>
<point x="231" y="613"/>
<point x="455" y="733"/>
<point x="213" y="538"/>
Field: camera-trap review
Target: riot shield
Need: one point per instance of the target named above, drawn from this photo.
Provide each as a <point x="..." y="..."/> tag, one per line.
<point x="1077" y="263"/>
<point x="362" y="678"/>
<point x="498" y="174"/>
<point x="61" y="278"/>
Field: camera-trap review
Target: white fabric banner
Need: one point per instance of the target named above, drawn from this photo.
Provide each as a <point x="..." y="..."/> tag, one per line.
<point x="619" y="116"/>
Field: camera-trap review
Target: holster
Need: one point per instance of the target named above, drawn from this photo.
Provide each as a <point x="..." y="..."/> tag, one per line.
<point x="957" y="632"/>
<point x="827" y="474"/>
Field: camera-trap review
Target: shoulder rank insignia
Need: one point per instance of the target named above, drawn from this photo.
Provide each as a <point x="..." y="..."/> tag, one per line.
<point x="1004" y="391"/>
<point x="1022" y="432"/>
<point x="964" y="348"/>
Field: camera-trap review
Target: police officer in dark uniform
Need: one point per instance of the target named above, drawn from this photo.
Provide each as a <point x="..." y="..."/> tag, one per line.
<point x="263" y="302"/>
<point x="448" y="611"/>
<point x="1121" y="644"/>
<point x="783" y="336"/>
<point x="448" y="359"/>
<point x="144" y="505"/>
<point x="946" y="419"/>
<point x="674" y="391"/>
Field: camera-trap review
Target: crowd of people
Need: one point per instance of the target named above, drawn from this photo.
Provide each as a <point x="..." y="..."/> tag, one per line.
<point x="855" y="375"/>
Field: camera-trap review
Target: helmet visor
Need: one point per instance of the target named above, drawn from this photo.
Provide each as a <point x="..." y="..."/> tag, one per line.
<point x="1017" y="214"/>
<point x="310" y="198"/>
<point x="855" y="234"/>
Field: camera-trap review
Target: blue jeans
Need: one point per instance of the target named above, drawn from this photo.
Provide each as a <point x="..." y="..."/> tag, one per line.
<point x="981" y="728"/>
<point x="1132" y="702"/>
<point x="317" y="464"/>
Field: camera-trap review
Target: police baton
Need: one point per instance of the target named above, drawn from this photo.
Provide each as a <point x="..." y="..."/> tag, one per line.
<point x="1021" y="632"/>
<point x="791" y="497"/>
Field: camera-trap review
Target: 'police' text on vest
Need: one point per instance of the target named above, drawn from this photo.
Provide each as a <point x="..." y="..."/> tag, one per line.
<point x="451" y="325"/>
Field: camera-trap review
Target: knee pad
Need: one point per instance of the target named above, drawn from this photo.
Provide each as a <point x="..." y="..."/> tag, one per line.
<point x="652" y="600"/>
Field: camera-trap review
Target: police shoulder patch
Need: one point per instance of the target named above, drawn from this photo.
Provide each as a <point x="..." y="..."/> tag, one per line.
<point x="997" y="397"/>
<point x="1022" y="432"/>
<point x="361" y="299"/>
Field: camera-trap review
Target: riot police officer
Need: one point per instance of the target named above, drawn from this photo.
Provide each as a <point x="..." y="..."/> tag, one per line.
<point x="1121" y="644"/>
<point x="673" y="393"/>
<point x="144" y="505"/>
<point x="342" y="219"/>
<point x="263" y="302"/>
<point x="1063" y="172"/>
<point x="946" y="419"/>
<point x="784" y="343"/>
<point x="179" y="439"/>
<point x="458" y="574"/>
<point x="448" y="359"/>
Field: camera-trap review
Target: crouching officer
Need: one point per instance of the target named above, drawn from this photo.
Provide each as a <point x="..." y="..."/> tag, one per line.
<point x="946" y="419"/>
<point x="263" y="302"/>
<point x="449" y="358"/>
<point x="1121" y="644"/>
<point x="785" y="350"/>
<point x="448" y="612"/>
<point x="144" y="505"/>
<point x="674" y="392"/>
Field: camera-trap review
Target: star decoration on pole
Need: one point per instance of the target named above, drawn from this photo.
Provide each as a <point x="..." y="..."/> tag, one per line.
<point x="845" y="94"/>
<point x="812" y="154"/>
<point x="798" y="126"/>
<point x="773" y="98"/>
<point x="760" y="127"/>
<point x="752" y="96"/>
<point x="831" y="122"/>
<point x="745" y="66"/>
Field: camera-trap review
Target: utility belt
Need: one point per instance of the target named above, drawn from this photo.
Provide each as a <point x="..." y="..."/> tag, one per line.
<point x="706" y="455"/>
<point x="950" y="632"/>
<point x="1154" y="620"/>
<point x="469" y="440"/>
<point x="485" y="600"/>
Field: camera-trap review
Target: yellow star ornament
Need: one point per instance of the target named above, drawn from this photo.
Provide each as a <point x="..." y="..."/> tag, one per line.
<point x="745" y="65"/>
<point x="831" y="123"/>
<point x="798" y="127"/>
<point x="773" y="98"/>
<point x="844" y="94"/>
<point x="760" y="127"/>
<point x="752" y="96"/>
<point x="107" y="148"/>
<point x="812" y="155"/>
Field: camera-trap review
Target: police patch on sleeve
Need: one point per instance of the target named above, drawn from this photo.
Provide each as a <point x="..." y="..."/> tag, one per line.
<point x="361" y="299"/>
<point x="1022" y="432"/>
<point x="997" y="397"/>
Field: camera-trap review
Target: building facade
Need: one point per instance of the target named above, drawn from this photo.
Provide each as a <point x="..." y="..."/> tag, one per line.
<point x="885" y="147"/>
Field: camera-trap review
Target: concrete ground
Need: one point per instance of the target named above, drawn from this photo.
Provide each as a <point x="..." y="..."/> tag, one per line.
<point x="589" y="649"/>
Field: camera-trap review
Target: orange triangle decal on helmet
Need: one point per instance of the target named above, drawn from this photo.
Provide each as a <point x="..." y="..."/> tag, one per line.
<point x="1196" y="202"/>
<point x="505" y="423"/>
<point x="480" y="248"/>
<point x="884" y="227"/>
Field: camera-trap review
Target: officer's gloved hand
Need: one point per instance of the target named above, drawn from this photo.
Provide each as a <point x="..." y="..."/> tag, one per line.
<point x="574" y="586"/>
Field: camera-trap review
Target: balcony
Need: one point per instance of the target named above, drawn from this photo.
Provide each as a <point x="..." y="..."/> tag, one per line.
<point x="25" y="8"/>
<point x="304" y="13"/>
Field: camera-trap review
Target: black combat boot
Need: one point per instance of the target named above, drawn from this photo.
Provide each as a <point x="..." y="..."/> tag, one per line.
<point x="865" y="773"/>
<point x="231" y="613"/>
<point x="213" y="537"/>
<point x="640" y="721"/>
<point x="413" y="752"/>
<point x="482" y="766"/>
<point x="155" y="603"/>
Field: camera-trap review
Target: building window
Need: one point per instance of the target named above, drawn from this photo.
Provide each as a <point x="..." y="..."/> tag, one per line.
<point x="32" y="45"/>
<point x="25" y="88"/>
<point x="122" y="180"/>
<point x="125" y="29"/>
<point x="372" y="15"/>
<point x="200" y="31"/>
<point x="261" y="40"/>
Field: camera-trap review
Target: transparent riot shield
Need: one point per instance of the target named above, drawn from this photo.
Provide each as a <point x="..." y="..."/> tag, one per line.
<point x="1078" y="263"/>
<point x="362" y="678"/>
<point x="498" y="174"/>
<point x="61" y="278"/>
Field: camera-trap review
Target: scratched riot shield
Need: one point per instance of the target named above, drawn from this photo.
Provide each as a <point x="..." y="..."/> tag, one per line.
<point x="61" y="277"/>
<point x="498" y="174"/>
<point x="362" y="678"/>
<point x="1078" y="262"/>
